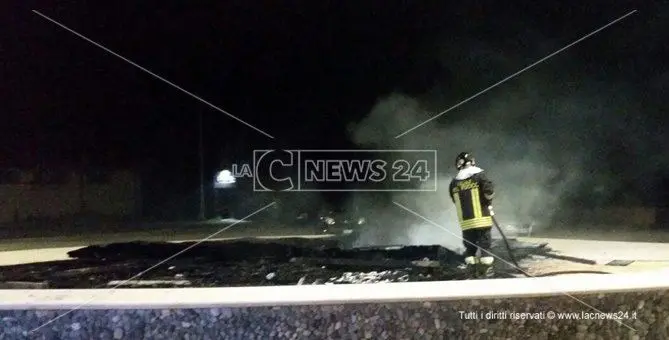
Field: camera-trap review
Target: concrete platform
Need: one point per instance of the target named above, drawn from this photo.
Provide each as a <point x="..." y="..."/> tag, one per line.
<point x="401" y="309"/>
<point x="325" y="294"/>
<point x="10" y="258"/>
<point x="646" y="256"/>
<point x="605" y="251"/>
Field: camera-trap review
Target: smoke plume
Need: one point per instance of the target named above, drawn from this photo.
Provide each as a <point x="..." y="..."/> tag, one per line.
<point x="545" y="138"/>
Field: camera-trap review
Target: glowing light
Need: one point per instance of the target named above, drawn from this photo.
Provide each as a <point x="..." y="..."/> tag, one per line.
<point x="225" y="179"/>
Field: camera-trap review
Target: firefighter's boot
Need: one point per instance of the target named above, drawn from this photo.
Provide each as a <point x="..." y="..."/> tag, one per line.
<point x="470" y="265"/>
<point x="487" y="269"/>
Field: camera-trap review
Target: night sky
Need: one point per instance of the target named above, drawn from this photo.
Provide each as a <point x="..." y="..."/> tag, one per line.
<point x="302" y="71"/>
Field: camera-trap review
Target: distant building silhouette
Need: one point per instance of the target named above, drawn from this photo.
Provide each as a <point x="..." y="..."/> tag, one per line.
<point x="44" y="194"/>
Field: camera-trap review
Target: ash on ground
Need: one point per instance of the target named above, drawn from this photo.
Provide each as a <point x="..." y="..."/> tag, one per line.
<point x="247" y="262"/>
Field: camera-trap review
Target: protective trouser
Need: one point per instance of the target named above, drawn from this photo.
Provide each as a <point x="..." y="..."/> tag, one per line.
<point x="474" y="239"/>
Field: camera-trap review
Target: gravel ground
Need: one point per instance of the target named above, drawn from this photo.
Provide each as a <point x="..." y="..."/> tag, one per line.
<point x="647" y="318"/>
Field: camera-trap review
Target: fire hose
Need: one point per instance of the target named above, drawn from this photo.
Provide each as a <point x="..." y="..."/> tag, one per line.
<point x="517" y="266"/>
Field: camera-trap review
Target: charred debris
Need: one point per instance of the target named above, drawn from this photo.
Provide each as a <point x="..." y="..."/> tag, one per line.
<point x="247" y="262"/>
<point x="256" y="262"/>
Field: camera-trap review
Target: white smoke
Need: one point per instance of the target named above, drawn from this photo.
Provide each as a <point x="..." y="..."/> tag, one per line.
<point x="534" y="146"/>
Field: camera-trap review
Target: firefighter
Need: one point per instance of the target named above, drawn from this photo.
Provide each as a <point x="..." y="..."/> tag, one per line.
<point x="472" y="193"/>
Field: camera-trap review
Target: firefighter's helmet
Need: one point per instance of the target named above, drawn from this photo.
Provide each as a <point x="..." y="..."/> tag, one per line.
<point x="463" y="159"/>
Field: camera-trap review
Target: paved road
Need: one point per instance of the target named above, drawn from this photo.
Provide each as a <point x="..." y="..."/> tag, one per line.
<point x="220" y="230"/>
<point x="13" y="257"/>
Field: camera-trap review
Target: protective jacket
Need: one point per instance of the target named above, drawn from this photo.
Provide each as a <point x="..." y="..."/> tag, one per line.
<point x="472" y="193"/>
